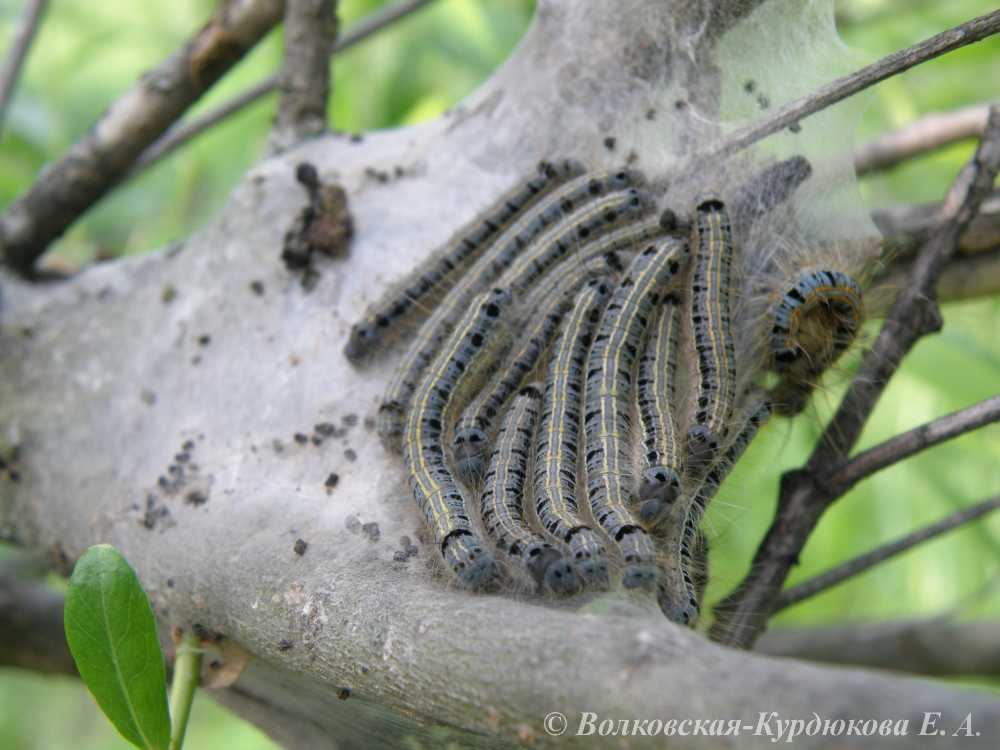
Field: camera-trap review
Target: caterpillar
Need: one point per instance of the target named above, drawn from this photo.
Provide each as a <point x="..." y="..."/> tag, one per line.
<point x="429" y="478"/>
<point x="559" y="435"/>
<point x="714" y="354"/>
<point x="502" y="498"/>
<point x="547" y="302"/>
<point x="771" y="186"/>
<point x="471" y="435"/>
<point x="561" y="202"/>
<point x="607" y="421"/>
<point x="438" y="271"/>
<point x="660" y="481"/>
<point x="680" y="589"/>
<point x="589" y="221"/>
<point x="812" y="324"/>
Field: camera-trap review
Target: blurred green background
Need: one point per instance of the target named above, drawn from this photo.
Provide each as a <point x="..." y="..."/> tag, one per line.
<point x="87" y="54"/>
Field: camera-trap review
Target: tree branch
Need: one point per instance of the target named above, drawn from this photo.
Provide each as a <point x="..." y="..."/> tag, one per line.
<point x="197" y="431"/>
<point x="929" y="133"/>
<point x="901" y="447"/>
<point x="99" y="160"/>
<point x="310" y="28"/>
<point x="938" y="647"/>
<point x="181" y="133"/>
<point x="805" y="494"/>
<point x="967" y="33"/>
<point x="23" y="34"/>
<point x="864" y="562"/>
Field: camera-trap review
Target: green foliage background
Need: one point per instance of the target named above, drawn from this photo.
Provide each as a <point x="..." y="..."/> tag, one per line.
<point x="87" y="54"/>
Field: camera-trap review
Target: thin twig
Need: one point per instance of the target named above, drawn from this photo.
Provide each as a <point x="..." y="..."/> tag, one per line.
<point x="868" y="560"/>
<point x="97" y="162"/>
<point x="310" y="28"/>
<point x="806" y="493"/>
<point x="181" y="133"/>
<point x="909" y="443"/>
<point x="21" y="41"/>
<point x="929" y="133"/>
<point x="966" y="33"/>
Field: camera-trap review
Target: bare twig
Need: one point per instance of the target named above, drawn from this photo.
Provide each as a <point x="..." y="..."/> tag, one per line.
<point x="98" y="161"/>
<point x="868" y="560"/>
<point x="926" y="134"/>
<point x="19" y="45"/>
<point x="938" y="646"/>
<point x="310" y="28"/>
<point x="181" y="133"/>
<point x="806" y="493"/>
<point x="966" y="33"/>
<point x="909" y="443"/>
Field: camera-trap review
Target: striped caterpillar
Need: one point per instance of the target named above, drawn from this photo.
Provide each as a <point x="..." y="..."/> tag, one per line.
<point x="813" y="323"/>
<point x="499" y="256"/>
<point x="559" y="436"/>
<point x="684" y="566"/>
<point x="431" y="482"/>
<point x="714" y="356"/>
<point x="503" y="498"/>
<point x="546" y="304"/>
<point x="439" y="271"/>
<point x="608" y="350"/>
<point x="607" y="421"/>
<point x="660" y="481"/>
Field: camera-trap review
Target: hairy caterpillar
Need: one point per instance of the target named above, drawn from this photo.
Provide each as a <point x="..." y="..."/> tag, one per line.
<point x="558" y="204"/>
<point x="430" y="480"/>
<point x="684" y="567"/>
<point x="814" y="322"/>
<point x="714" y="354"/>
<point x="546" y="303"/>
<point x="559" y="435"/>
<point x="503" y="493"/>
<point x="607" y="421"/>
<point x="660" y="481"/>
<point x="439" y="270"/>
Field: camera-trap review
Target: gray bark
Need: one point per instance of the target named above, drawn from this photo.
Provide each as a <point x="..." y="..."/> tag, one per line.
<point x="109" y="377"/>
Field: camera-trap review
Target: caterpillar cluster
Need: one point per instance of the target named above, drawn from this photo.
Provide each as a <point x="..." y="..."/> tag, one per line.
<point x="574" y="398"/>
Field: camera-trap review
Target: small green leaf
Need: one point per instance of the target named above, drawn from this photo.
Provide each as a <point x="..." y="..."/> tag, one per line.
<point x="112" y="635"/>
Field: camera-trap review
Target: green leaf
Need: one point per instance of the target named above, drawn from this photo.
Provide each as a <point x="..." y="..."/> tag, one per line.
<point x="112" y="635"/>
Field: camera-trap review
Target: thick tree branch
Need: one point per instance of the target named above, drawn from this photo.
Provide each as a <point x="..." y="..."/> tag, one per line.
<point x="18" y="49"/>
<point x="92" y="166"/>
<point x="859" y="564"/>
<point x="806" y="493"/>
